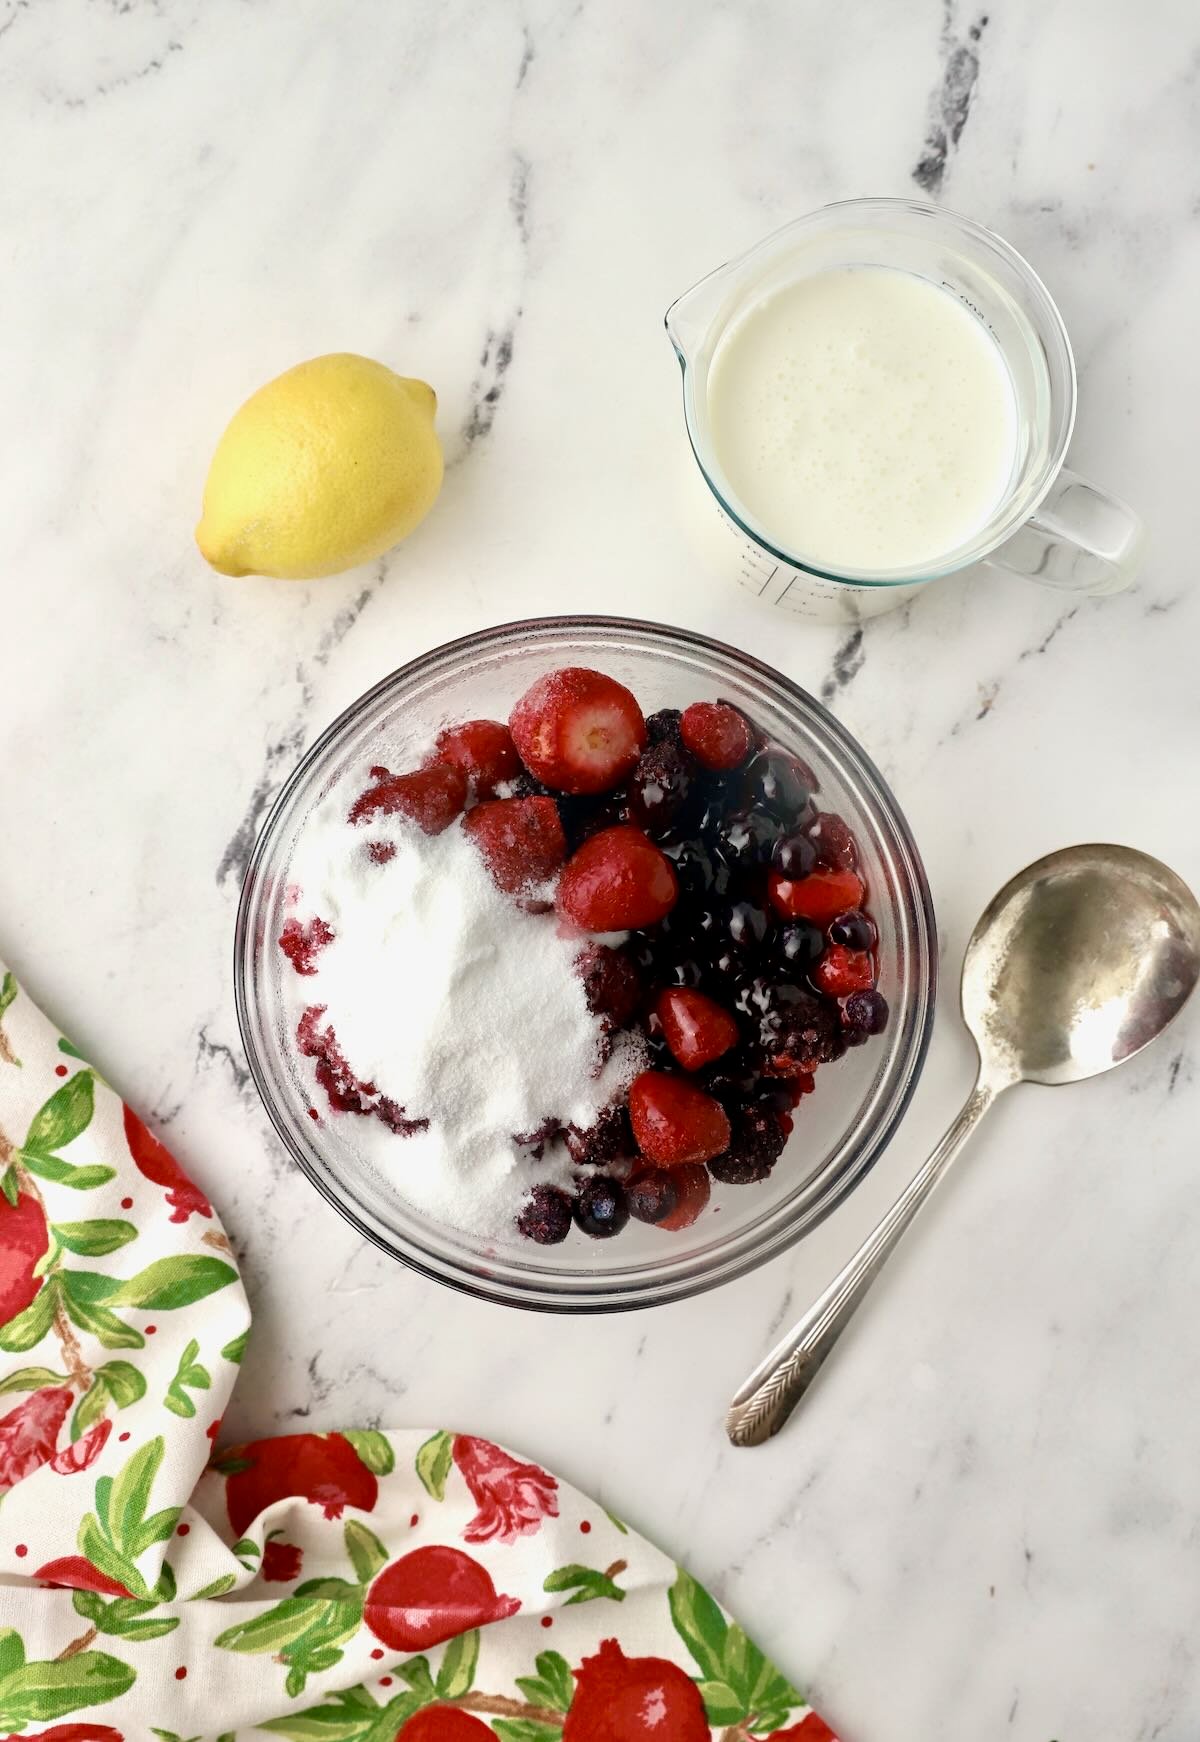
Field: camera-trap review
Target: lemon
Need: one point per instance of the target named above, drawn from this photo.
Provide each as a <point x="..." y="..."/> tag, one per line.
<point x="327" y="466"/>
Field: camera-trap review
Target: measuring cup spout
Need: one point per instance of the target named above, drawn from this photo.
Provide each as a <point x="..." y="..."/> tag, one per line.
<point x="689" y="319"/>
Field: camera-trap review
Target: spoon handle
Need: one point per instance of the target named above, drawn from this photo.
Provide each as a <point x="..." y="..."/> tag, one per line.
<point x="776" y="1386"/>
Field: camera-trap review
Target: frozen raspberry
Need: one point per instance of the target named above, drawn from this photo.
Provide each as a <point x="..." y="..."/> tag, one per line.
<point x="819" y="897"/>
<point x="432" y="797"/>
<point x="651" y="1195"/>
<point x="696" y="1028"/>
<point x="607" y="1139"/>
<point x="673" y="1121"/>
<point x="545" y="1216"/>
<point x="345" y="1091"/>
<point x="600" y="1208"/>
<point x="755" y="1146"/>
<point x="611" y="984"/>
<point x="301" y="944"/>
<point x="692" y="1192"/>
<point x="521" y="840"/>
<point x="380" y="852"/>
<point x="717" y="735"/>
<point x="835" y="844"/>
<point x="617" y="880"/>
<point x="578" y="730"/>
<point x="841" y="971"/>
<point x="485" y="752"/>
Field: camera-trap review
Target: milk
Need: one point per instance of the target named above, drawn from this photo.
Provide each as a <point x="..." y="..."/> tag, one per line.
<point x="864" y="418"/>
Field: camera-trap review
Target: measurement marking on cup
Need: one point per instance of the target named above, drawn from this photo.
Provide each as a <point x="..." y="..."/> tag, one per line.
<point x="768" y="581"/>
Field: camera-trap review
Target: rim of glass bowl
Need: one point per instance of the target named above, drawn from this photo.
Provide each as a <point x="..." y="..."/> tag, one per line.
<point x="613" y="1286"/>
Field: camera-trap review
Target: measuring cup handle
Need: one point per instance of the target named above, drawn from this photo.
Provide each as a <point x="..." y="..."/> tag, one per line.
<point x="1081" y="539"/>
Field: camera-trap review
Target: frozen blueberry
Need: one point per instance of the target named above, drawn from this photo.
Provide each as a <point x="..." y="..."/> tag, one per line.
<point x="600" y="1208"/>
<point x="651" y="1195"/>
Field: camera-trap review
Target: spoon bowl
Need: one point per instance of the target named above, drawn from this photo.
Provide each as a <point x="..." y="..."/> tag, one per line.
<point x="1079" y="962"/>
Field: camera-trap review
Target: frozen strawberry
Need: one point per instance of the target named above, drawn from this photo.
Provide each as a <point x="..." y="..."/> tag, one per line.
<point x="693" y="1188"/>
<point x="485" y="752"/>
<point x="717" y="735"/>
<point x="432" y="797"/>
<point x="673" y="1121"/>
<point x="578" y="730"/>
<point x="841" y="971"/>
<point x="521" y="840"/>
<point x="821" y="896"/>
<point x="696" y="1028"/>
<point x="617" y="881"/>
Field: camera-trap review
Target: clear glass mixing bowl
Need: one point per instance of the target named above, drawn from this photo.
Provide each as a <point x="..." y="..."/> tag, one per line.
<point x="840" y="1130"/>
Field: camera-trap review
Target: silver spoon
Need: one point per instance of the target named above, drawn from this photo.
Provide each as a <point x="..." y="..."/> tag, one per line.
<point x="1076" y="965"/>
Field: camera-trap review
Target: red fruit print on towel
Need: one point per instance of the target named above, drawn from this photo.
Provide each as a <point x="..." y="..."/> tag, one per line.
<point x="82" y="1452"/>
<point x="74" y="1573"/>
<point x="322" y="1468"/>
<point x="281" y="1562"/>
<point x="430" y="1595"/>
<point x="621" y="1699"/>
<point x="155" y="1162"/>
<point x="29" y="1433"/>
<point x="513" y="1498"/>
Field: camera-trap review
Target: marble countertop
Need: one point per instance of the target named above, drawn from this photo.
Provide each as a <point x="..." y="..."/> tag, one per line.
<point x="985" y="1523"/>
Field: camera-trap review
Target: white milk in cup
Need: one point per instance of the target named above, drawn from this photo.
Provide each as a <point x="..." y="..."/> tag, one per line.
<point x="879" y="395"/>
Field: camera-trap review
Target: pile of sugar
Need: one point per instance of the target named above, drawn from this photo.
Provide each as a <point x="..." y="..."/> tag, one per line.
<point x="456" y="1004"/>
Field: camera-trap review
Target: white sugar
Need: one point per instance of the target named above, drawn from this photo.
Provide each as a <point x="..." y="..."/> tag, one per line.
<point x="457" y="1005"/>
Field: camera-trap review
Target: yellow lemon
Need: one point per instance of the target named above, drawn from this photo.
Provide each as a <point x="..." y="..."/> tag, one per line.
<point x="325" y="467"/>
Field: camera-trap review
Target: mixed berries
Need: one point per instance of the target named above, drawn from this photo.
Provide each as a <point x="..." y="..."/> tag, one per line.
<point x="721" y="917"/>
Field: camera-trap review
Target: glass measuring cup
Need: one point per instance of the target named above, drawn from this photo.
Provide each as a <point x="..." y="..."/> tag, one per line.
<point x="1049" y="523"/>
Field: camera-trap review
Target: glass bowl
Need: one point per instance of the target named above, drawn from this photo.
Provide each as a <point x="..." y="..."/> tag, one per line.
<point x="840" y="1130"/>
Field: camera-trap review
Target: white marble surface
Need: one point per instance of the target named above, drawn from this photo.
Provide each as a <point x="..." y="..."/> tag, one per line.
<point x="986" y="1522"/>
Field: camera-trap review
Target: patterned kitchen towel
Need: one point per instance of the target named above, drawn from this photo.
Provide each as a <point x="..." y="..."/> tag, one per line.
<point x="338" y="1587"/>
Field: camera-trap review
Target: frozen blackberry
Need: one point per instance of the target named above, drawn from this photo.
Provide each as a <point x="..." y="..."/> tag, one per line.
<point x="659" y="787"/>
<point x="800" y="1034"/>
<point x="600" y="1208"/>
<point x="609" y="1139"/>
<point x="755" y="1146"/>
<point x="611" y="984"/>
<point x="663" y="727"/>
<point x="545" y="1216"/>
